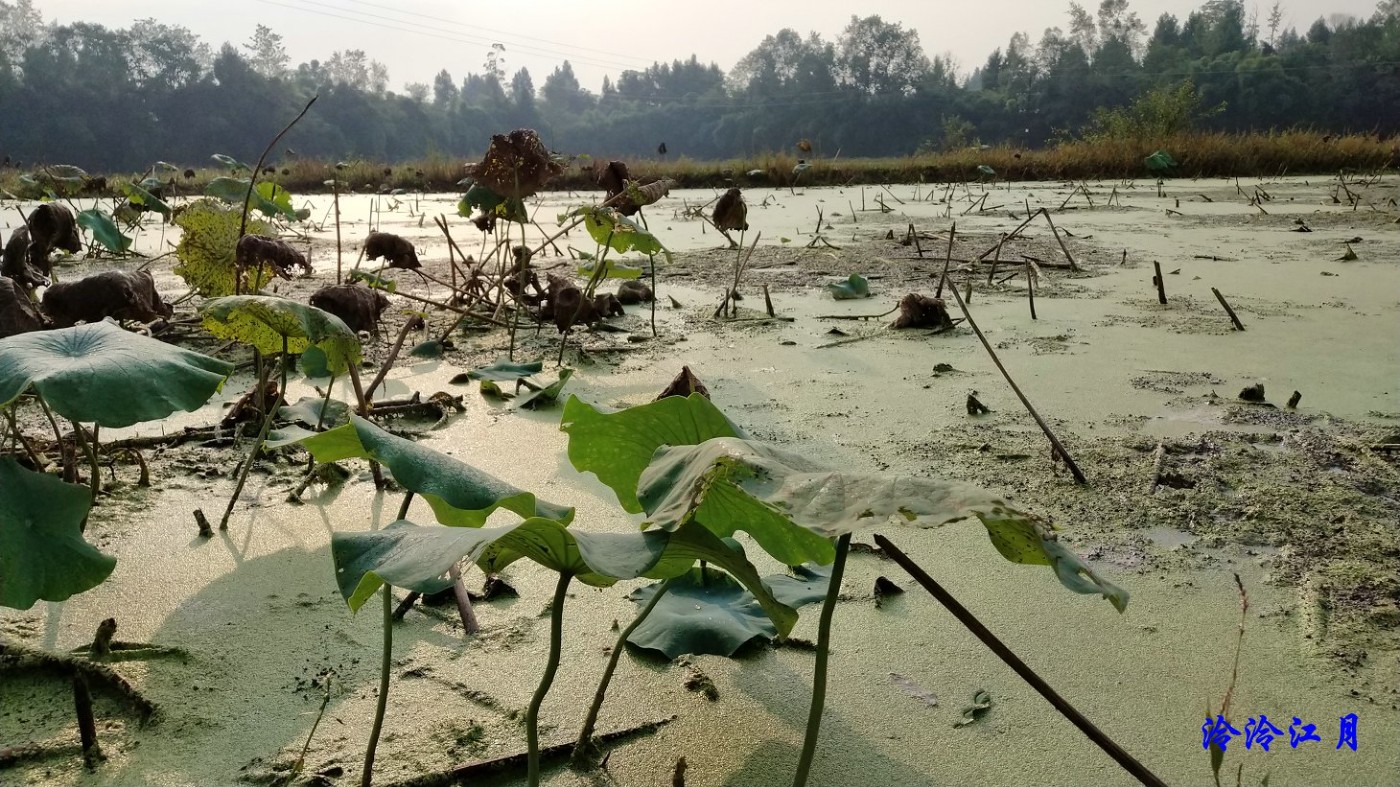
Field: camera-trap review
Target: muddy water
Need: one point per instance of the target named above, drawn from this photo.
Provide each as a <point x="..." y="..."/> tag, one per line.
<point x="258" y="611"/>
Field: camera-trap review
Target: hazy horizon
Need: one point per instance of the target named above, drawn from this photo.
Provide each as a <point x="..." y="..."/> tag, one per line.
<point x="417" y="38"/>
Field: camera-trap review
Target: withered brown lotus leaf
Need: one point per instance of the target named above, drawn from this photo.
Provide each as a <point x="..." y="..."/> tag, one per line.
<point x="358" y="307"/>
<point x="731" y="212"/>
<point x="921" y="311"/>
<point x="277" y="254"/>
<point x="685" y="384"/>
<point x="121" y="295"/>
<point x="398" y="251"/>
<point x="516" y="165"/>
<point x="17" y="312"/>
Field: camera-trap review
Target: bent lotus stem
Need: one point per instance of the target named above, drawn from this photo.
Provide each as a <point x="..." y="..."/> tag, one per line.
<point x="262" y="437"/>
<point x="367" y="776"/>
<point x="532" y="715"/>
<point x="814" y="716"/>
<point x="583" y="747"/>
<point x="90" y="450"/>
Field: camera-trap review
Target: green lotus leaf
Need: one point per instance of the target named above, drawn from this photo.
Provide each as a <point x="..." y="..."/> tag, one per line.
<point x="617" y="446"/>
<point x="459" y="494"/>
<point x="235" y="190"/>
<point x="99" y="373"/>
<point x="707" y="612"/>
<point x="66" y="172"/>
<point x="264" y="321"/>
<point x="547" y="395"/>
<point x="279" y="198"/>
<point x="503" y="370"/>
<point x="207" y="249"/>
<point x="231" y="162"/>
<point x="432" y="348"/>
<point x="730" y="484"/>
<point x="104" y="230"/>
<point x="610" y="228"/>
<point x="377" y="282"/>
<point x="984" y="169"/>
<point x="42" y="552"/>
<point x="143" y="199"/>
<point x="855" y="286"/>
<point x="413" y="557"/>
<point x="311" y="410"/>
<point x="611" y="270"/>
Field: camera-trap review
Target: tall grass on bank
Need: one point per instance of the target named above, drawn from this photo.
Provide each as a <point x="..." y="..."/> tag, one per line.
<point x="1198" y="154"/>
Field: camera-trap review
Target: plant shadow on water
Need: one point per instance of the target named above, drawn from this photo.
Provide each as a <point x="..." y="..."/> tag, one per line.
<point x="256" y="685"/>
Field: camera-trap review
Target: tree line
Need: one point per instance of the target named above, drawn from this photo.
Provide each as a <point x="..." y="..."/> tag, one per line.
<point x="120" y="99"/>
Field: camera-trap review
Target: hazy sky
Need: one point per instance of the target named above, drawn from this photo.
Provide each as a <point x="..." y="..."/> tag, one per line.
<point x="416" y="38"/>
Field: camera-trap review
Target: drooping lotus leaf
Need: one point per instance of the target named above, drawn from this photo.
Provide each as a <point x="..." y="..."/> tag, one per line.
<point x="311" y="410"/>
<point x="230" y="162"/>
<point x="459" y="494"/>
<point x="855" y="286"/>
<point x="409" y="556"/>
<point x="617" y="446"/>
<point x="277" y="197"/>
<point x="610" y="228"/>
<point x="705" y="614"/>
<point x="612" y="269"/>
<point x="143" y="199"/>
<point x="547" y="395"/>
<point x="516" y="164"/>
<point x="235" y="190"/>
<point x="99" y="373"/>
<point x="42" y="551"/>
<point x="503" y="370"/>
<point x="104" y="229"/>
<point x="712" y="614"/>
<point x="265" y="320"/>
<point x="731" y="484"/>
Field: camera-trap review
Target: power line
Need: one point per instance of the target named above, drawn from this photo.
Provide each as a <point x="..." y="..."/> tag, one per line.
<point x="421" y="30"/>
<point x="500" y="32"/>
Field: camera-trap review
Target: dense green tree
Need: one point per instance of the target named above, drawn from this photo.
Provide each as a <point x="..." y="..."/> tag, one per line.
<point x="108" y="98"/>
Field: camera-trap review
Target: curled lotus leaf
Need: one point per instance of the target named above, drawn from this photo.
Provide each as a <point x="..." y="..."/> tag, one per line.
<point x="729" y="484"/>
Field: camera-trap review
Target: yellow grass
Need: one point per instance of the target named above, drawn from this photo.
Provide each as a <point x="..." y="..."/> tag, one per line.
<point x="1198" y="155"/>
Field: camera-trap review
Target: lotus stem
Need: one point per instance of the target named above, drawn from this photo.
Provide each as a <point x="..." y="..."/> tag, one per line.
<point x="814" y="716"/>
<point x="253" y="176"/>
<point x="532" y="715"/>
<point x="367" y="776"/>
<point x="257" y="445"/>
<point x="653" y="296"/>
<point x="585" y="736"/>
<point x="57" y="436"/>
<point x="95" y="482"/>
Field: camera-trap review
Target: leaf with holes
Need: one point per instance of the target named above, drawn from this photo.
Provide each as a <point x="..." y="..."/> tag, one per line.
<point x="265" y="321"/>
